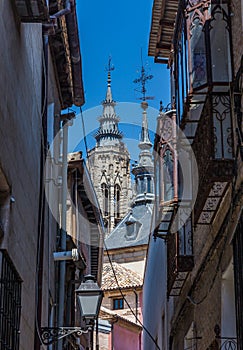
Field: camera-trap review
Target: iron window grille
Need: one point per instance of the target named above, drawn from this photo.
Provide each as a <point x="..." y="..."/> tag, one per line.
<point x="10" y="303"/>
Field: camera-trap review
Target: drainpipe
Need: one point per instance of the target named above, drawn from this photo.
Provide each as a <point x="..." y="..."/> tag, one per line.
<point x="63" y="243"/>
<point x="69" y="255"/>
<point x="64" y="11"/>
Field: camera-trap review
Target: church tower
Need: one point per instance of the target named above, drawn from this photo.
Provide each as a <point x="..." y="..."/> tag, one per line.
<point x="144" y="171"/>
<point x="127" y="243"/>
<point x="109" y="164"/>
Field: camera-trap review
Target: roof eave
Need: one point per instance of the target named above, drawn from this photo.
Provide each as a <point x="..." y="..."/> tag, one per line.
<point x="162" y="29"/>
<point x="65" y="49"/>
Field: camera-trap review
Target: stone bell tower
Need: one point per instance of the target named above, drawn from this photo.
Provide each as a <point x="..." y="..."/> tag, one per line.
<point x="109" y="164"/>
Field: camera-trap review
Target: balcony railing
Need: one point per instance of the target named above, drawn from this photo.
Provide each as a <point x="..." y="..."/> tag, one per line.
<point x="213" y="149"/>
<point x="225" y="343"/>
<point x="179" y="254"/>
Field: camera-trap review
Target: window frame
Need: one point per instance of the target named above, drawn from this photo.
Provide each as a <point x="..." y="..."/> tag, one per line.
<point x="120" y="303"/>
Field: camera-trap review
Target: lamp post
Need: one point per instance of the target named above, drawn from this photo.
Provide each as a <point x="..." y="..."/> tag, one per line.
<point x="89" y="296"/>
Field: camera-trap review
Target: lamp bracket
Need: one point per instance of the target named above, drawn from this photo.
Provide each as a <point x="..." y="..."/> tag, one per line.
<point x="50" y="335"/>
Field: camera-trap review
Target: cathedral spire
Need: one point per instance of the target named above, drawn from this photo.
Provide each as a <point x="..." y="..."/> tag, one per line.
<point x="144" y="171"/>
<point x="108" y="132"/>
<point x="145" y="142"/>
<point x="109" y="68"/>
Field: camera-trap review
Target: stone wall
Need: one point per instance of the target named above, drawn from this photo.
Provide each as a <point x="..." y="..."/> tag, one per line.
<point x="21" y="66"/>
<point x="110" y="165"/>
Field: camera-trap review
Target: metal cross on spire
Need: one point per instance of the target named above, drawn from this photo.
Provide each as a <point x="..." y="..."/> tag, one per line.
<point x="109" y="68"/>
<point x="143" y="80"/>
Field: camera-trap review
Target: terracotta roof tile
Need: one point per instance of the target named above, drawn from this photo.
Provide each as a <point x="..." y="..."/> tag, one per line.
<point x="126" y="277"/>
<point x="111" y="315"/>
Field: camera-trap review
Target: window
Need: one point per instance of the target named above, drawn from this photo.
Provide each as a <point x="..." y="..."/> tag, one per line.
<point x="50" y="126"/>
<point x="149" y="185"/>
<point x="219" y="32"/>
<point x="10" y="303"/>
<point x="168" y="175"/>
<point x="132" y="228"/>
<point x="198" y="51"/>
<point x="105" y="201"/>
<point x="142" y="184"/>
<point x="117" y="191"/>
<point x="181" y="66"/>
<point x="157" y="183"/>
<point x="118" y="304"/>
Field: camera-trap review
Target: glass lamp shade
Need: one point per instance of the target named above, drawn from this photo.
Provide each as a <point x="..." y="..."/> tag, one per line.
<point x="89" y="297"/>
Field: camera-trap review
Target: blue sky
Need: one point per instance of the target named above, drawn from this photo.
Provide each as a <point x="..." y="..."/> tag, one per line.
<point x="119" y="29"/>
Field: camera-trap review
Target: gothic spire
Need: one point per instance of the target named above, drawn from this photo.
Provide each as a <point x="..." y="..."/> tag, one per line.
<point x="144" y="171"/>
<point x="108" y="91"/>
<point x="145" y="142"/>
<point x="108" y="132"/>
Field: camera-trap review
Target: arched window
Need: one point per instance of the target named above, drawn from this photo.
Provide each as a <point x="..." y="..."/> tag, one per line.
<point x="168" y="171"/>
<point x="117" y="192"/>
<point x="142" y="184"/>
<point x="149" y="185"/>
<point x="105" y="199"/>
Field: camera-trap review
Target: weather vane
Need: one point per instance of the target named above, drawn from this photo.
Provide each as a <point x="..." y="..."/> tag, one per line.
<point x="143" y="80"/>
<point x="110" y="66"/>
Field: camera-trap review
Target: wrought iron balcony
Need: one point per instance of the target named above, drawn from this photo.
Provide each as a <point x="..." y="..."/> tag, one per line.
<point x="173" y="208"/>
<point x="225" y="343"/>
<point x="178" y="267"/>
<point x="175" y="227"/>
<point x="179" y="257"/>
<point x="213" y="149"/>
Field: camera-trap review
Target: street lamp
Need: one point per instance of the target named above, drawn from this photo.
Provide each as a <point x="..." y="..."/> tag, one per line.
<point x="89" y="296"/>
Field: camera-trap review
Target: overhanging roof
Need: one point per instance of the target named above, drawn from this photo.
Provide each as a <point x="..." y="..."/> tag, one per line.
<point x="114" y="317"/>
<point x="65" y="48"/>
<point x="162" y="29"/>
<point x="64" y="44"/>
